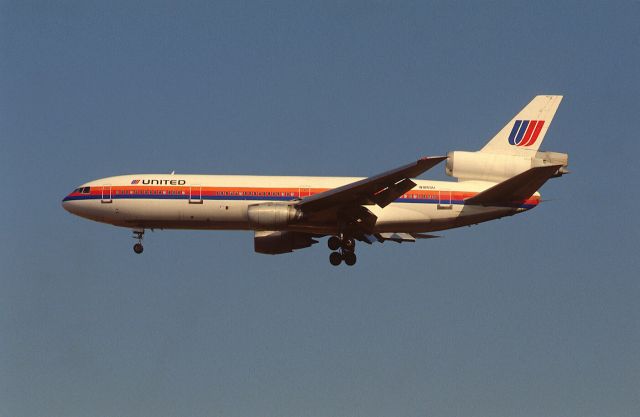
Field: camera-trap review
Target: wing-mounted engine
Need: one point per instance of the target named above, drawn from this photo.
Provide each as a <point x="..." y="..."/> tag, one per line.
<point x="496" y="167"/>
<point x="277" y="242"/>
<point x="272" y="216"/>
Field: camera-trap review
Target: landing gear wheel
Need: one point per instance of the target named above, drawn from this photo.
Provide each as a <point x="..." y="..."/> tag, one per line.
<point x="335" y="258"/>
<point x="349" y="258"/>
<point x="334" y="243"/>
<point x="138" y="234"/>
<point x="138" y="248"/>
<point x="348" y="244"/>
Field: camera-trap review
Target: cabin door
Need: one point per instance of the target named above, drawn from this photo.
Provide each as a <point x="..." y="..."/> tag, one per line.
<point x="106" y="194"/>
<point x="304" y="191"/>
<point x="195" y="194"/>
<point x="444" y="200"/>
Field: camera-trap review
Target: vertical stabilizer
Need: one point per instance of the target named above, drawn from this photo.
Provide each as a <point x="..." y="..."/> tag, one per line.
<point x="525" y="132"/>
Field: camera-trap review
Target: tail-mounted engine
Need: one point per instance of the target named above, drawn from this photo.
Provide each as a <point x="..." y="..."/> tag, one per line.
<point x="496" y="167"/>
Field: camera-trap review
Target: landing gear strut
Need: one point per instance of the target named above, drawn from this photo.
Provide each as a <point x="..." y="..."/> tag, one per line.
<point x="343" y="250"/>
<point x="138" y="234"/>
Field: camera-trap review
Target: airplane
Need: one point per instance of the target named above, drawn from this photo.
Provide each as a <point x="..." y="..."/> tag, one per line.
<point x="288" y="213"/>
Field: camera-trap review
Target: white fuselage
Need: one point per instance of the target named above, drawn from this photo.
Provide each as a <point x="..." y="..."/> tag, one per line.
<point x="222" y="201"/>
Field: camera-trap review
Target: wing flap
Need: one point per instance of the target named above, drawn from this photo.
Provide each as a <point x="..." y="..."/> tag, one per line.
<point x="399" y="237"/>
<point x="389" y="194"/>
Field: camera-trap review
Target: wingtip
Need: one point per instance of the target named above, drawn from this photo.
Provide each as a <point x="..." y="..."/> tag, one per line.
<point x="431" y="158"/>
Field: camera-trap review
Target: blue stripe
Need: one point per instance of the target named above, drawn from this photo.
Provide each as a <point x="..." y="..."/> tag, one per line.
<point x="512" y="135"/>
<point x="523" y="129"/>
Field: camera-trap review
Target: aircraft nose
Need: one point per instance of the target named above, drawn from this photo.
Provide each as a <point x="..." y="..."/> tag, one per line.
<point x="66" y="204"/>
<point x="71" y="205"/>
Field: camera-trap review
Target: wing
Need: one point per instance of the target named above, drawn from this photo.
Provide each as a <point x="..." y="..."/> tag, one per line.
<point x="345" y="205"/>
<point x="380" y="189"/>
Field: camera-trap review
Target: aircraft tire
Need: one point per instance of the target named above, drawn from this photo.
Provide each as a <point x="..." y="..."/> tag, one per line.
<point x="334" y="243"/>
<point x="138" y="248"/>
<point x="348" y="244"/>
<point x="349" y="258"/>
<point x="335" y="258"/>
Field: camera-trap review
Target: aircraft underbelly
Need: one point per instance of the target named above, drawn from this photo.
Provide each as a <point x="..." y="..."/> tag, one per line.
<point x="178" y="214"/>
<point x="232" y="215"/>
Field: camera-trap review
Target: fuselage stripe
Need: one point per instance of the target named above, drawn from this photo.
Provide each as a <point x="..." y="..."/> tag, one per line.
<point x="260" y="194"/>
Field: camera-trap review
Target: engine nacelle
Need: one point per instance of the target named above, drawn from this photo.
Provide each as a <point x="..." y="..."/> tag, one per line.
<point x="271" y="216"/>
<point x="495" y="167"/>
<point x="275" y="242"/>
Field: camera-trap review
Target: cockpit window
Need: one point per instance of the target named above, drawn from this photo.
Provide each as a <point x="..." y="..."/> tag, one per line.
<point x="83" y="190"/>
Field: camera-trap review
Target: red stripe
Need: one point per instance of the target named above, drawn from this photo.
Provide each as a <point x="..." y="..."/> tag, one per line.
<point x="536" y="133"/>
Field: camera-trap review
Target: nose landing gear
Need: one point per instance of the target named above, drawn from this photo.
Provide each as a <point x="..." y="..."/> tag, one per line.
<point x="138" y="234"/>
<point x="343" y="250"/>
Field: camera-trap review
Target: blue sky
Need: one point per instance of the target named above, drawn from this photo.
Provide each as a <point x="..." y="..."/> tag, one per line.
<point x="531" y="315"/>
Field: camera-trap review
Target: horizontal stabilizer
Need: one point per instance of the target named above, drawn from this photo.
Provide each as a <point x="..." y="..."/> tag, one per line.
<point x="517" y="188"/>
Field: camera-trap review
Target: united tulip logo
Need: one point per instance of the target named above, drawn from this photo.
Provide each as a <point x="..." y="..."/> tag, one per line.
<point x="525" y="132"/>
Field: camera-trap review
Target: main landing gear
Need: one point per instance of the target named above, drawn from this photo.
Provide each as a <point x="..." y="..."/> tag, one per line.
<point x="138" y="234"/>
<point x="344" y="250"/>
